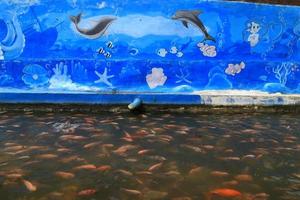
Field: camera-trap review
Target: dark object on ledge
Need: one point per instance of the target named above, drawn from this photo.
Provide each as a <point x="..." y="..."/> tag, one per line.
<point x="135" y="105"/>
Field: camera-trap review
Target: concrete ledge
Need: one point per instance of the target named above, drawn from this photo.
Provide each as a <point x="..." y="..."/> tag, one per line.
<point x="246" y="98"/>
<point x="211" y="98"/>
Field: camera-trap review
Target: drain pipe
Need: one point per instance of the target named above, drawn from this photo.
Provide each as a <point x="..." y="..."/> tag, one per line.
<point x="136" y="104"/>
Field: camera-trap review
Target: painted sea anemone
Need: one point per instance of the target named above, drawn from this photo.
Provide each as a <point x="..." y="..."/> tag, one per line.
<point x="35" y="76"/>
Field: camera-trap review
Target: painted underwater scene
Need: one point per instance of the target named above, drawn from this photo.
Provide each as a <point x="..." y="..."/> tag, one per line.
<point x="148" y="46"/>
<point x="177" y="156"/>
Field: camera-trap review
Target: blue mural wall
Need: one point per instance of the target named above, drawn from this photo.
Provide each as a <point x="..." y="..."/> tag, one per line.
<point x="148" y="46"/>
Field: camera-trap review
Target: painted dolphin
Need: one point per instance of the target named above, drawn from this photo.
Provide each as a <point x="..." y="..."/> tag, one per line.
<point x="95" y="32"/>
<point x="191" y="17"/>
<point x="14" y="42"/>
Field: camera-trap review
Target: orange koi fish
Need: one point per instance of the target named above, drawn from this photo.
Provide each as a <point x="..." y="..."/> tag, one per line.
<point x="104" y="168"/>
<point x="29" y="186"/>
<point x="87" y="192"/>
<point x="224" y="192"/>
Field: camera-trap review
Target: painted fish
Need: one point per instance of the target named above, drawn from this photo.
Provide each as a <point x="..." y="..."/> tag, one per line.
<point x="179" y="54"/>
<point x="95" y="32"/>
<point x="191" y="17"/>
<point x="162" y="52"/>
<point x="101" y="50"/>
<point x="173" y="50"/>
<point x="107" y="55"/>
<point x="110" y="44"/>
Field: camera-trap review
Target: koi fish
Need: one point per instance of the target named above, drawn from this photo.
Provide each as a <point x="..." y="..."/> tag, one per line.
<point x="87" y="167"/>
<point x="132" y="192"/>
<point x="64" y="175"/>
<point x="47" y="156"/>
<point x="87" y="192"/>
<point x="219" y="174"/>
<point x="124" y="172"/>
<point x="144" y="151"/>
<point x="155" y="167"/>
<point x="29" y="186"/>
<point x="244" y="177"/>
<point x="224" y="192"/>
<point x="104" y="168"/>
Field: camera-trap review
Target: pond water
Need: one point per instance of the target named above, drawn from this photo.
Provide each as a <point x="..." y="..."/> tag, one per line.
<point x="178" y="156"/>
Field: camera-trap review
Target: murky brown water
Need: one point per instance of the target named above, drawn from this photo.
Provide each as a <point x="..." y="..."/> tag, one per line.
<point x="152" y="156"/>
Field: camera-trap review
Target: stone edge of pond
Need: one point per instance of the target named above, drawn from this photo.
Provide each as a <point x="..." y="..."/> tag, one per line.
<point x="229" y="101"/>
<point x="94" y="109"/>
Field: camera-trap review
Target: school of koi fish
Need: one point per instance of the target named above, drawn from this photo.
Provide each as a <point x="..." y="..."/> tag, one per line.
<point x="176" y="156"/>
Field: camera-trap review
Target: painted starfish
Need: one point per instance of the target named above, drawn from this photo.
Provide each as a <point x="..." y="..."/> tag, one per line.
<point x="103" y="78"/>
<point x="183" y="77"/>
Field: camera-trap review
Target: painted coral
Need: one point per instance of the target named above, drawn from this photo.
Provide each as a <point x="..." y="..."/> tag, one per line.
<point x="156" y="78"/>
<point x="234" y="69"/>
<point x="35" y="76"/>
<point x="207" y="50"/>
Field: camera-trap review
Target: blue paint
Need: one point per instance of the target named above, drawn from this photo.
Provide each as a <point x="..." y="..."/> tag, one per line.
<point x="147" y="49"/>
<point x="110" y="99"/>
